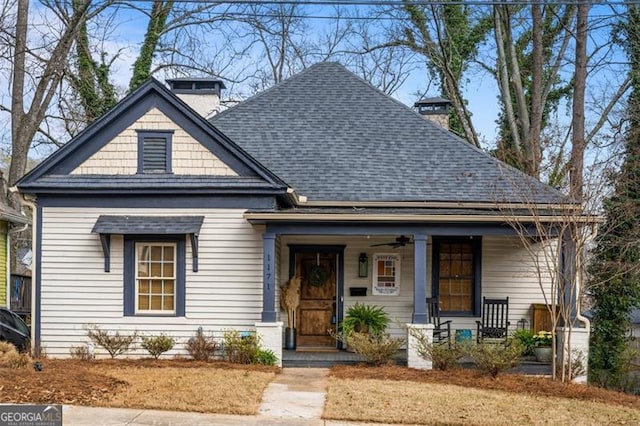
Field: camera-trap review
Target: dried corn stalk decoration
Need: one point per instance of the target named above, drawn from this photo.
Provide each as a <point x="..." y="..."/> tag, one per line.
<point x="290" y="299"/>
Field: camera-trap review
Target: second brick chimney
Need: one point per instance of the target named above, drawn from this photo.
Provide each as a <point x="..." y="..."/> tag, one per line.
<point x="435" y="109"/>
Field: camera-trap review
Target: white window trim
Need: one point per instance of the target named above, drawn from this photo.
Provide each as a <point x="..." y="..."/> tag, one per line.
<point x="386" y="291"/>
<point x="138" y="244"/>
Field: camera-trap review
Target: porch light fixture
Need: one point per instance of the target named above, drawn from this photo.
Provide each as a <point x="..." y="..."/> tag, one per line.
<point x="523" y="324"/>
<point x="363" y="265"/>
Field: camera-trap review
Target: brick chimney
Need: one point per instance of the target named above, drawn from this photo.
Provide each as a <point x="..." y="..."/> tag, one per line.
<point x="201" y="94"/>
<point x="435" y="109"/>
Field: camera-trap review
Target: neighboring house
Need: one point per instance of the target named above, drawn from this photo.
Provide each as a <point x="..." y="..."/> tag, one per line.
<point x="10" y="221"/>
<point x="157" y="220"/>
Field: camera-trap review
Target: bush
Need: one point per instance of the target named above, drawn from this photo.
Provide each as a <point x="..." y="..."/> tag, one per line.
<point x="377" y="349"/>
<point x="527" y="340"/>
<point x="621" y="378"/>
<point x="443" y="356"/>
<point x="239" y="348"/>
<point x="6" y="347"/>
<point x="265" y="357"/>
<point x="11" y="358"/>
<point x="80" y="352"/>
<point x="115" y="344"/>
<point x="495" y="358"/>
<point x="202" y="347"/>
<point x="157" y="345"/>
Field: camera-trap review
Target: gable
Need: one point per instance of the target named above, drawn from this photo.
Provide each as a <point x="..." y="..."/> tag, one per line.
<point x="198" y="157"/>
<point x="120" y="155"/>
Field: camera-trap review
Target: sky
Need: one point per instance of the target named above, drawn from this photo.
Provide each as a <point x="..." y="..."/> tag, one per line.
<point x="479" y="88"/>
<point x="480" y="92"/>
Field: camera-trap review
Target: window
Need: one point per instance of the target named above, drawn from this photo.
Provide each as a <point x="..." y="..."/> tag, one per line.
<point x="154" y="275"/>
<point x="154" y="151"/>
<point x="386" y="274"/>
<point x="456" y="275"/>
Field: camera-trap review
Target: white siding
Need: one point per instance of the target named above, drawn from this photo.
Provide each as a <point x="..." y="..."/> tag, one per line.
<point x="507" y="270"/>
<point x="225" y="293"/>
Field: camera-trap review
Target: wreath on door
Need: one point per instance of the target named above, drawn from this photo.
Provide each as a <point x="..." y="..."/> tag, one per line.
<point x="318" y="276"/>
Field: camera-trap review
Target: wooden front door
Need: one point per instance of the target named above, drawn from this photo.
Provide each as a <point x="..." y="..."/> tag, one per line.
<point x="317" y="310"/>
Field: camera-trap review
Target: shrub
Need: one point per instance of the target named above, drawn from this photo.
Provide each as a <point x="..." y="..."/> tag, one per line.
<point x="157" y="345"/>
<point x="365" y="319"/>
<point x="527" y="340"/>
<point x="265" y="357"/>
<point x="443" y="355"/>
<point x="10" y="357"/>
<point x="240" y="348"/>
<point x="495" y="358"/>
<point x="17" y="360"/>
<point x="6" y="347"/>
<point x="115" y="344"/>
<point x="376" y="349"/>
<point x="202" y="347"/>
<point x="81" y="352"/>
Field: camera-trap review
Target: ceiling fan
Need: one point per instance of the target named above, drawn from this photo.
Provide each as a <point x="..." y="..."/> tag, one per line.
<point x="400" y="241"/>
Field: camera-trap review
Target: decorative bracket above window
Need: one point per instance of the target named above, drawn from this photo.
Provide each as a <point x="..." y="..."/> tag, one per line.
<point x="147" y="225"/>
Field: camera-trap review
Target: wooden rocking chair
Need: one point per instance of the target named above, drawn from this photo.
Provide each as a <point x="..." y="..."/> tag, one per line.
<point x="495" y="319"/>
<point x="442" y="329"/>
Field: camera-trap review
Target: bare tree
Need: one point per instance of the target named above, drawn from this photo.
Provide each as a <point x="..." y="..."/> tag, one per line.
<point x="27" y="118"/>
<point x="448" y="36"/>
<point x="555" y="238"/>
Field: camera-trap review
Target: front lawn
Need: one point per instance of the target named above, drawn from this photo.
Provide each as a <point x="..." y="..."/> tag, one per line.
<point x="402" y="395"/>
<point x="182" y="385"/>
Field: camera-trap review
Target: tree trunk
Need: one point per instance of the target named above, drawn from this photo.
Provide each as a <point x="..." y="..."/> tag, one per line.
<point x="157" y="21"/>
<point x="580" y="77"/>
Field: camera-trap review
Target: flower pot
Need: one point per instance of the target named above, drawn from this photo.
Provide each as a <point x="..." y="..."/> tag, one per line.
<point x="290" y="338"/>
<point x="543" y="353"/>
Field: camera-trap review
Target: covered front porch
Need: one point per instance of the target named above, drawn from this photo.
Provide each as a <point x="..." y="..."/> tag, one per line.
<point x="457" y="262"/>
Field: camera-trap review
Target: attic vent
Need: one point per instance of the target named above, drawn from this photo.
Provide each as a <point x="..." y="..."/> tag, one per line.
<point x="154" y="152"/>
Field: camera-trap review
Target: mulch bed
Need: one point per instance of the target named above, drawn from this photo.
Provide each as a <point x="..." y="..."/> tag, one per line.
<point x="516" y="383"/>
<point x="57" y="383"/>
<point x="65" y="381"/>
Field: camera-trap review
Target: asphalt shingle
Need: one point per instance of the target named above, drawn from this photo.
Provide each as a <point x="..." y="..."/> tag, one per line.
<point x="148" y="225"/>
<point x="333" y="137"/>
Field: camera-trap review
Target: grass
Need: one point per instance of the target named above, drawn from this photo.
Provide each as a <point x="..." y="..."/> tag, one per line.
<point x="395" y="394"/>
<point x="432" y="403"/>
<point x="180" y="385"/>
<point x="207" y="390"/>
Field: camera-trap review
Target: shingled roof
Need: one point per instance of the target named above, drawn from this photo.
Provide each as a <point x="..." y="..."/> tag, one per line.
<point x="333" y="137"/>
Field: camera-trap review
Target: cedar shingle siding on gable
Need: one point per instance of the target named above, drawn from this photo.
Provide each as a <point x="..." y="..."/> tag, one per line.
<point x="120" y="155"/>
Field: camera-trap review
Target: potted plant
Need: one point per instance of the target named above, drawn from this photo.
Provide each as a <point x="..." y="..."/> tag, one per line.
<point x="543" y="346"/>
<point x="363" y="318"/>
<point x="289" y="300"/>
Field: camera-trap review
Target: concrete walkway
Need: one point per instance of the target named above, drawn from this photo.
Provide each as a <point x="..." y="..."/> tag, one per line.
<point x="296" y="393"/>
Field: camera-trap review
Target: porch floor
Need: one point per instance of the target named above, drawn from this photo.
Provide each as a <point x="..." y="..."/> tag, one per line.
<point x="310" y="359"/>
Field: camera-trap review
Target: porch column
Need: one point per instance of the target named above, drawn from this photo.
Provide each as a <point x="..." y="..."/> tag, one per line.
<point x="268" y="277"/>
<point x="419" y="278"/>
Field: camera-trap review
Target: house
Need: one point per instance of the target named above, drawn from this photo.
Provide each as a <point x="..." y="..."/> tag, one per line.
<point x="11" y="221"/>
<point x="156" y="220"/>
